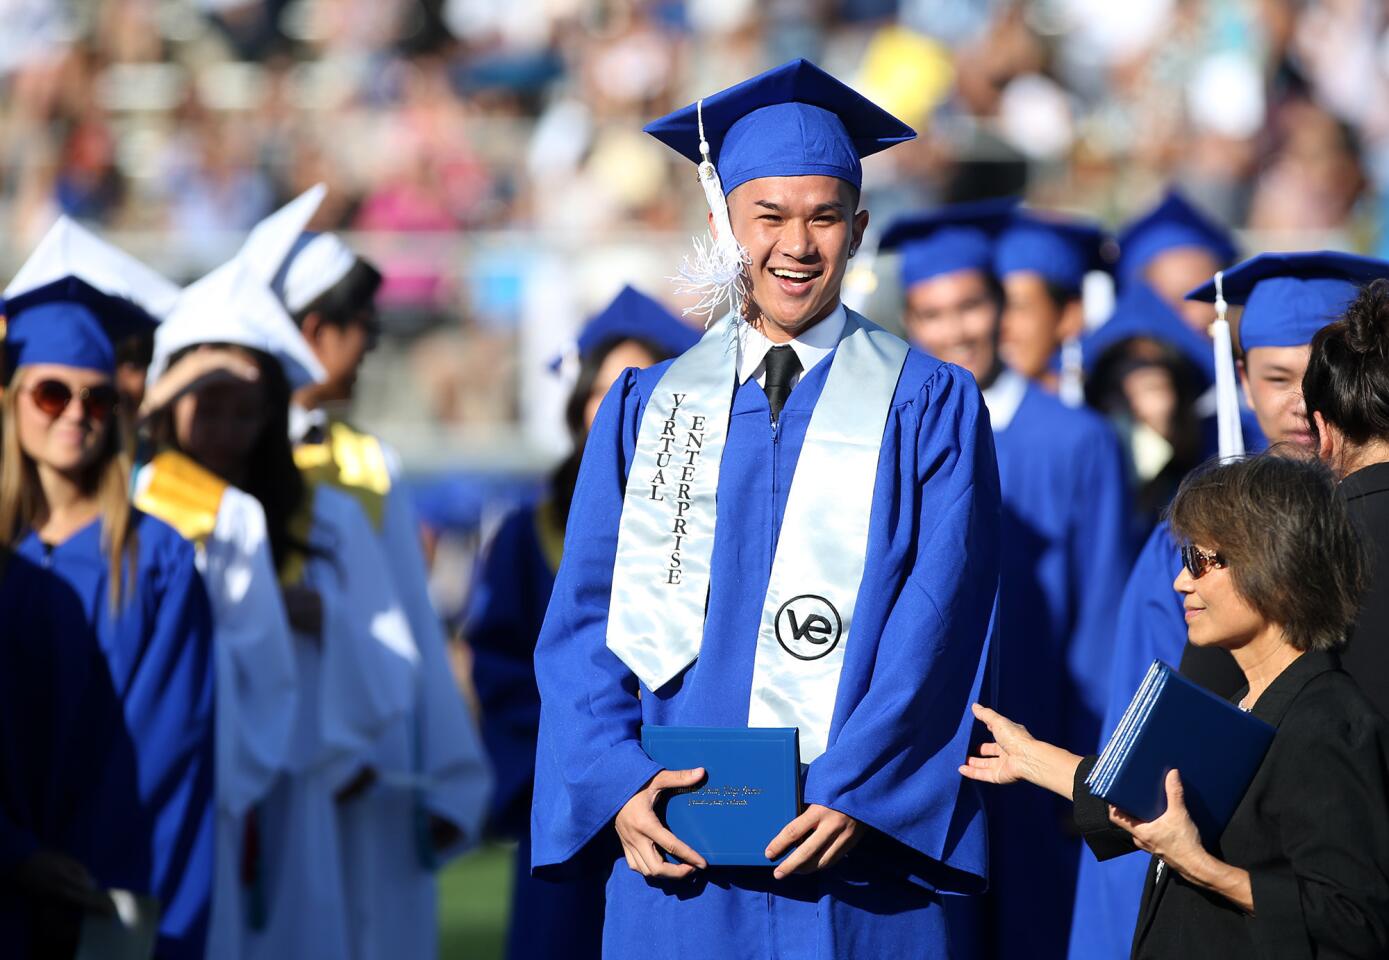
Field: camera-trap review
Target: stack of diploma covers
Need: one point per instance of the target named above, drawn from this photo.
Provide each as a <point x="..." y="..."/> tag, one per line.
<point x="751" y="790"/>
<point x="1172" y="723"/>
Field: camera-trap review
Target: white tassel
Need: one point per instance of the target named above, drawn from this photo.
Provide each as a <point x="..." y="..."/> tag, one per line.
<point x="717" y="270"/>
<point x="1227" y="406"/>
<point x="1071" y="388"/>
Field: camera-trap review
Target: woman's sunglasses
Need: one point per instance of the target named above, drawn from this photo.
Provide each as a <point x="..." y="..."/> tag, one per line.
<point x="53" y="396"/>
<point x="1198" y="562"/>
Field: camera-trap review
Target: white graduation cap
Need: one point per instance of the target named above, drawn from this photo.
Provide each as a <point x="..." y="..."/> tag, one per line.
<point x="268" y="244"/>
<point x="71" y="250"/>
<point x="235" y="305"/>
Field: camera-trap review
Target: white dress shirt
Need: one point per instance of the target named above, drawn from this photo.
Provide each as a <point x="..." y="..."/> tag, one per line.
<point x="811" y="347"/>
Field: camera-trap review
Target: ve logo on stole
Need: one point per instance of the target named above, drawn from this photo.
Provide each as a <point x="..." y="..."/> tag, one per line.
<point x="808" y="626"/>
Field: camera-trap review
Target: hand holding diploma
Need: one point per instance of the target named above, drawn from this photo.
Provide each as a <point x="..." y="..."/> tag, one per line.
<point x="644" y="837"/>
<point x="824" y="837"/>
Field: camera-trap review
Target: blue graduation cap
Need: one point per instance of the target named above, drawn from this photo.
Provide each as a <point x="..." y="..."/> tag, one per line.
<point x="959" y="237"/>
<point x="68" y="321"/>
<point x="1288" y="297"/>
<point x="792" y="121"/>
<point x="1174" y="223"/>
<point x="632" y="314"/>
<point x="1141" y="313"/>
<point x="1061" y="249"/>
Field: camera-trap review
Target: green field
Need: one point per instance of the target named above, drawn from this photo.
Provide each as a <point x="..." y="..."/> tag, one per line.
<point x="473" y="896"/>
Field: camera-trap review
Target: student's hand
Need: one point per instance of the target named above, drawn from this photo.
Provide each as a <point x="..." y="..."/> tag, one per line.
<point x="1017" y="755"/>
<point x="304" y="610"/>
<point x="824" y="837"/>
<point x="194" y="370"/>
<point x="48" y="875"/>
<point x="1172" y="836"/>
<point x="643" y="836"/>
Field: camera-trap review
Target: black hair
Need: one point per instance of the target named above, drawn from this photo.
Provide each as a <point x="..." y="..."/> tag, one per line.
<point x="272" y="476"/>
<point x="1347" y="378"/>
<point x="136" y="349"/>
<point x="566" y="475"/>
<point x="343" y="302"/>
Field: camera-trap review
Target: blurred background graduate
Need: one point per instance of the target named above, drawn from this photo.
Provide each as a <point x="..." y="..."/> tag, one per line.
<point x="549" y="917"/>
<point x="433" y="776"/>
<point x="1065" y="536"/>
<point x="145" y="821"/>
<point x="1286" y="299"/>
<point x="355" y="660"/>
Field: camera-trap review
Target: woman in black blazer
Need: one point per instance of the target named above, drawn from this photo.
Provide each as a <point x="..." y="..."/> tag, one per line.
<point x="1346" y="389"/>
<point x="1273" y="571"/>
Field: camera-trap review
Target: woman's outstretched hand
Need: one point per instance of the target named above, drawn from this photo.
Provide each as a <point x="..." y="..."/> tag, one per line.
<point x="1016" y="755"/>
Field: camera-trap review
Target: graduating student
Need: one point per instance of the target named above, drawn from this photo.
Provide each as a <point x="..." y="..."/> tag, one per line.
<point x="143" y="820"/>
<point x="1064" y="552"/>
<point x="355" y="659"/>
<point x="1287" y="298"/>
<point x="833" y="473"/>
<point x="1147" y="372"/>
<point x="507" y="606"/>
<point x="1173" y="247"/>
<point x="434" y="781"/>
<point x="1042" y="260"/>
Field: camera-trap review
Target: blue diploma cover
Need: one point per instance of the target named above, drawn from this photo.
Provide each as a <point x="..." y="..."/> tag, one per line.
<point x="752" y="788"/>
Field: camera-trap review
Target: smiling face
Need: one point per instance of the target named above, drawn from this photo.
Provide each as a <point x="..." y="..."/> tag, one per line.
<point x="798" y="232"/>
<point x="72" y="440"/>
<point x="218" y="425"/>
<point x="1216" y="614"/>
<point x="954" y="317"/>
<point x="1272" y="379"/>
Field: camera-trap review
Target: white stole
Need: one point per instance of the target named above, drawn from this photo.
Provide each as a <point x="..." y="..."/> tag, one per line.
<point x="666" y="534"/>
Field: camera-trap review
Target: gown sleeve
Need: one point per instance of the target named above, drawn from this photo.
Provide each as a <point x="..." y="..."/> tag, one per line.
<point x="449" y="753"/>
<point x="256" y="701"/>
<point x="368" y="658"/>
<point x="589" y="760"/>
<point x="170" y="715"/>
<point x="893" y="763"/>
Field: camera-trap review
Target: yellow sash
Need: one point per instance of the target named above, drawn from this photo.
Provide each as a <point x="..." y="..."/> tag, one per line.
<point x="550" y="534"/>
<point x="183" y="494"/>
<point x="351" y="461"/>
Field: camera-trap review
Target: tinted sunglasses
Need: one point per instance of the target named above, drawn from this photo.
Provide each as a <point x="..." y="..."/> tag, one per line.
<point x="1198" y="562"/>
<point x="53" y="396"/>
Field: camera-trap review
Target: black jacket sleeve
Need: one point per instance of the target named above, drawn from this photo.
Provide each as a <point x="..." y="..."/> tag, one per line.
<point x="1091" y="814"/>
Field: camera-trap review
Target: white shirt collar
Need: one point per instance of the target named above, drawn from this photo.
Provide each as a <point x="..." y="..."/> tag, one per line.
<point x="303" y="421"/>
<point x="1003" y="397"/>
<point x="811" y="347"/>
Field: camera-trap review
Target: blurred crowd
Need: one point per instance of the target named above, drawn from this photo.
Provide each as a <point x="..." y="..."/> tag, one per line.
<point x="480" y="150"/>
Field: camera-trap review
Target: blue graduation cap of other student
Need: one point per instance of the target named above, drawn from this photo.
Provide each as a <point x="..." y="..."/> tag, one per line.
<point x="1141" y="313"/>
<point x="1288" y="297"/>
<point x="69" y="322"/>
<point x="794" y="120"/>
<point x="1061" y="249"/>
<point x="632" y="315"/>
<point x="958" y="237"/>
<point x="1173" y="224"/>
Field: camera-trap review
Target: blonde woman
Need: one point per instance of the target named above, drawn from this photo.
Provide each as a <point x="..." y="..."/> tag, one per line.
<point x="125" y="800"/>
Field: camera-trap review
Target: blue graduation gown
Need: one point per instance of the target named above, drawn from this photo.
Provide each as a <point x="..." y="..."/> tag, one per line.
<point x="1065" y="553"/>
<point x="147" y="823"/>
<point x="901" y="725"/>
<point x="1151" y="626"/>
<point x="549" y="917"/>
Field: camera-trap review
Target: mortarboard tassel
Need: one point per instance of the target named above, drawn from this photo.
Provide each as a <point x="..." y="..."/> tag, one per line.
<point x="1071" y="388"/>
<point x="1227" y="407"/>
<point x="715" y="271"/>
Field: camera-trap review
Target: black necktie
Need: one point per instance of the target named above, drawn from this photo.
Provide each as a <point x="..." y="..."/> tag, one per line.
<point x="782" y="366"/>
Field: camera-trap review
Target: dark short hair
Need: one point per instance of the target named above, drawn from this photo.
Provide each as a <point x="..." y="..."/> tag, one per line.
<point x="341" y="303"/>
<point x="1287" y="537"/>
<point x="1347" y="378"/>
